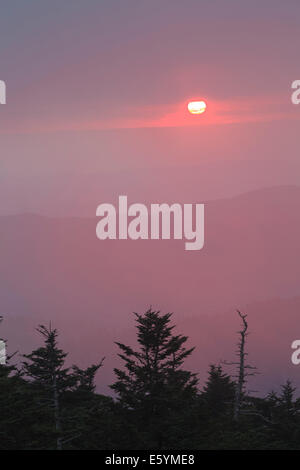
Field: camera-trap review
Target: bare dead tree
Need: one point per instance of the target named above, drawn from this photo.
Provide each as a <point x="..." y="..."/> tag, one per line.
<point x="242" y="367"/>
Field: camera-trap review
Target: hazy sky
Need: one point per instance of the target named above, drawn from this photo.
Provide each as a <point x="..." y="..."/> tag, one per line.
<point x="96" y="108"/>
<point x="97" y="87"/>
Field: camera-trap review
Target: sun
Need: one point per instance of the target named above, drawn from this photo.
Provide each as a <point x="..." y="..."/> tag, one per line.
<point x="197" y="107"/>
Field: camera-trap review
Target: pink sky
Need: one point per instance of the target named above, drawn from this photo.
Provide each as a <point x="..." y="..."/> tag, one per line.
<point x="97" y="95"/>
<point x="101" y="93"/>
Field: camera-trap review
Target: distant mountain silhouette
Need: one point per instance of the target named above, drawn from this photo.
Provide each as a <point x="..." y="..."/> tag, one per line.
<point x="56" y="269"/>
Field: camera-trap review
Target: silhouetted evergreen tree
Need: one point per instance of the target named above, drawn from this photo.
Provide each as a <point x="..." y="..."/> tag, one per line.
<point x="47" y="405"/>
<point x="63" y="395"/>
<point x="153" y="388"/>
<point x="15" y="401"/>
<point x="50" y="381"/>
<point x="284" y="415"/>
<point x="219" y="391"/>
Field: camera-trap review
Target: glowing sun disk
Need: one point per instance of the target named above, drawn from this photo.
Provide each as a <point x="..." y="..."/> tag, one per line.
<point x="197" y="107"/>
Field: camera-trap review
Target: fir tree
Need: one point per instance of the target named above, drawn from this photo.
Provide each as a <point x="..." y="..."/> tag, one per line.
<point x="50" y="380"/>
<point x="153" y="386"/>
<point x="219" y="391"/>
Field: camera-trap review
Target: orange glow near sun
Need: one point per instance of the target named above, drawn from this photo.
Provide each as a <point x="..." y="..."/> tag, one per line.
<point x="197" y="107"/>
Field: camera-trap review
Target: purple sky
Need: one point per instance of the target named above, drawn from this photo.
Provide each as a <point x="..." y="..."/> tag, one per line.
<point x="96" y="107"/>
<point x="97" y="94"/>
